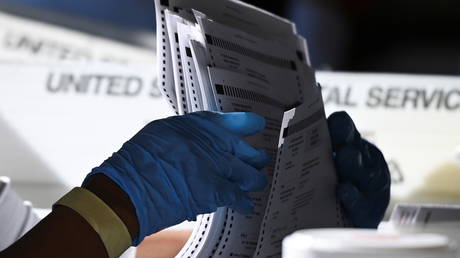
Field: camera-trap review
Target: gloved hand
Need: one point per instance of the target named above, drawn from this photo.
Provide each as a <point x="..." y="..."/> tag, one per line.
<point x="179" y="167"/>
<point x="364" y="187"/>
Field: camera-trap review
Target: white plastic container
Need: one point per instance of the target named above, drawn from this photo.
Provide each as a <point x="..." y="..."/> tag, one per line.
<point x="357" y="243"/>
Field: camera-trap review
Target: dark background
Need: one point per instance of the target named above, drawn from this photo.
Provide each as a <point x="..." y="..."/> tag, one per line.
<point x="388" y="36"/>
<point x="404" y="36"/>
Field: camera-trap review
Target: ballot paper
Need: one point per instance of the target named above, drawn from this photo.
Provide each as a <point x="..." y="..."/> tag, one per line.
<point x="233" y="13"/>
<point x="228" y="56"/>
<point x="304" y="179"/>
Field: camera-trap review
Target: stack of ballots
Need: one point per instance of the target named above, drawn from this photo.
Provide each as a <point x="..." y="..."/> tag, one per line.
<point x="227" y="56"/>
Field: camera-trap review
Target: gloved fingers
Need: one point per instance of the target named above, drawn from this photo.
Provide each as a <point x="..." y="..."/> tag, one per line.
<point x="349" y="195"/>
<point x="349" y="163"/>
<point x="364" y="210"/>
<point x="254" y="157"/>
<point x="379" y="173"/>
<point x="230" y="195"/>
<point x="342" y="130"/>
<point x="245" y="176"/>
<point x="351" y="200"/>
<point x="243" y="206"/>
<point x="241" y="124"/>
<point x="365" y="167"/>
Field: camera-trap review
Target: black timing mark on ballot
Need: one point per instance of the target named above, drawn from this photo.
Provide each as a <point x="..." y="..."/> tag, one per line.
<point x="164" y="2"/>
<point x="292" y="129"/>
<point x="188" y="51"/>
<point x="283" y="63"/>
<point x="176" y="36"/>
<point x="248" y="95"/>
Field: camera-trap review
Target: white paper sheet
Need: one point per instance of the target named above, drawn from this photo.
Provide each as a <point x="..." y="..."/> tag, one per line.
<point x="230" y="57"/>
<point x="164" y="61"/>
<point x="228" y="12"/>
<point x="302" y="194"/>
<point x="237" y="92"/>
<point x="192" y="88"/>
<point x="274" y="66"/>
<point x="236" y="14"/>
<point x="183" y="102"/>
<point x="201" y="64"/>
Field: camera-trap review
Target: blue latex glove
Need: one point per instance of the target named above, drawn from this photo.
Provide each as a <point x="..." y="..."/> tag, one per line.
<point x="179" y="167"/>
<point x="364" y="187"/>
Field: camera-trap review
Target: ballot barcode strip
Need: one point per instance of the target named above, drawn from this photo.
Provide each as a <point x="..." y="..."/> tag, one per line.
<point x="228" y="45"/>
<point x="163" y="60"/>
<point x="292" y="129"/>
<point x="248" y="95"/>
<point x="191" y="80"/>
<point x="182" y="93"/>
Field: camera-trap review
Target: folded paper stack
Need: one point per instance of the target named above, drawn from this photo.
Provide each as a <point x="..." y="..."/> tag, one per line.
<point x="228" y="56"/>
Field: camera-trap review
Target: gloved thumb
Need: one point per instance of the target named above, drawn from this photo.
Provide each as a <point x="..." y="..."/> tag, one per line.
<point x="349" y="195"/>
<point x="240" y="123"/>
<point x="364" y="211"/>
<point x="342" y="130"/>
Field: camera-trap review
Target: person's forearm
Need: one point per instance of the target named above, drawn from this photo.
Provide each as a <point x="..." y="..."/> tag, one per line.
<point x="64" y="233"/>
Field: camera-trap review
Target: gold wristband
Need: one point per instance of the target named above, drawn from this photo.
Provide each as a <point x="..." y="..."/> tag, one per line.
<point x="110" y="228"/>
